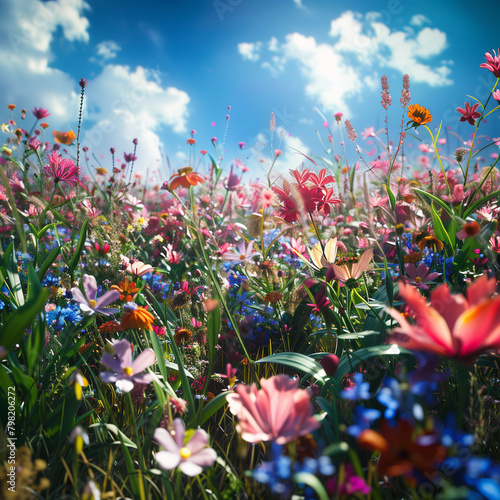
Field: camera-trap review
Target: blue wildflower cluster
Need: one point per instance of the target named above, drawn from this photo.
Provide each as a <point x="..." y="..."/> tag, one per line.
<point x="157" y="285"/>
<point x="61" y="316"/>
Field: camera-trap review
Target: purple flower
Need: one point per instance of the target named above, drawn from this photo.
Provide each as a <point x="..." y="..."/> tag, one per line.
<point x="418" y="276"/>
<point x="40" y="113"/>
<point x="469" y="113"/>
<point x="127" y="372"/>
<point x="88" y="301"/>
<point x="190" y="457"/>
<point x="128" y="157"/>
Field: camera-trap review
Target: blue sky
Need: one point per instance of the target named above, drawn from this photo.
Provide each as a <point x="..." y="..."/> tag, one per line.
<point x="157" y="70"/>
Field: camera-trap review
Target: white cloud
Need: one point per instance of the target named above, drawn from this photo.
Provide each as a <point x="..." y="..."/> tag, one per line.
<point x="362" y="49"/>
<point x="120" y="103"/>
<point x="250" y="51"/>
<point x="108" y="49"/>
<point x="298" y="3"/>
<point x="419" y="20"/>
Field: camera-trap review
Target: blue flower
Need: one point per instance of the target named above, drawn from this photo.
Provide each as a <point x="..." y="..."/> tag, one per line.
<point x="361" y="390"/>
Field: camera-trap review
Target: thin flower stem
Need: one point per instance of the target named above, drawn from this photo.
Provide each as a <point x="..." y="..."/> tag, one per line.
<point x="434" y="143"/>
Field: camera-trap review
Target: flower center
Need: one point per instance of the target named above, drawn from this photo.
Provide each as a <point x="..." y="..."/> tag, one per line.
<point x="128" y="371"/>
<point x="93" y="304"/>
<point x="185" y="453"/>
<point x="242" y="257"/>
<point x="418" y="279"/>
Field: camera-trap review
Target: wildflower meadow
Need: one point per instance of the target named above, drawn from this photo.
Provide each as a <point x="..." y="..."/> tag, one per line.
<point x="331" y="332"/>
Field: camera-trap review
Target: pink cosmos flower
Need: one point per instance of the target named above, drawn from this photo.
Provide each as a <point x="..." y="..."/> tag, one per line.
<point x="496" y="95"/>
<point x="493" y="63"/>
<point x="242" y="253"/>
<point x="89" y="302"/>
<point x="469" y="113"/>
<point x="418" y="276"/>
<point x="62" y="169"/>
<point x="190" y="457"/>
<point x="40" y="113"/>
<point x="127" y="371"/>
<point x="279" y="411"/>
<point x="453" y="325"/>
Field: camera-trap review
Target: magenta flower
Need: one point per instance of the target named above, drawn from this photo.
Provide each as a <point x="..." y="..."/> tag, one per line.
<point x="232" y="181"/>
<point x="40" y="113"/>
<point x="89" y="301"/>
<point x="62" y="169"/>
<point x="190" y="457"/>
<point x="129" y="157"/>
<point x="496" y="95"/>
<point x="493" y="63"/>
<point x="418" y="276"/>
<point x="127" y="371"/>
<point x="469" y="113"/>
<point x="279" y="411"/>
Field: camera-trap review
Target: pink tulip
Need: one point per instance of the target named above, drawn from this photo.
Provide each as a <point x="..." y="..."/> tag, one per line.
<point x="452" y="326"/>
<point x="279" y="411"/>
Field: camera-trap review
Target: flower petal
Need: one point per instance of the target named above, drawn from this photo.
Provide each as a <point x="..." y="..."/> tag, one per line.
<point x="89" y="286"/>
<point x="165" y="440"/>
<point x="190" y="469"/>
<point x="168" y="460"/>
<point x="125" y="384"/>
<point x="123" y="352"/>
<point x="144" y="360"/>
<point x="204" y="458"/>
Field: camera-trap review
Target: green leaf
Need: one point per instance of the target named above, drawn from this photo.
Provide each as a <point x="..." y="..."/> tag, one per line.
<point x="391" y="196"/>
<point x="433" y="198"/>
<point x="213" y="407"/>
<point x="472" y="208"/>
<point x="351" y="360"/>
<point x="16" y="289"/>
<point x="213" y="329"/>
<point x="47" y="263"/>
<point x="113" y="429"/>
<point x="298" y="361"/>
<point x="14" y="328"/>
<point x="441" y="232"/>
<point x="79" y="248"/>
<point x="312" y="481"/>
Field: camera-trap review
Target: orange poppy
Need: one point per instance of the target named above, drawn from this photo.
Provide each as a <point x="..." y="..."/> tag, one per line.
<point x="64" y="137"/>
<point x="136" y="317"/>
<point x="419" y="115"/>
<point x="185" y="178"/>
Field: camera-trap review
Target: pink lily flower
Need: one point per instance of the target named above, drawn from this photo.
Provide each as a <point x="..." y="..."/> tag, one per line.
<point x="89" y="302"/>
<point x="493" y="63"/>
<point x="279" y="411"/>
<point x="453" y="326"/>
<point x="190" y="457"/>
<point x="127" y="371"/>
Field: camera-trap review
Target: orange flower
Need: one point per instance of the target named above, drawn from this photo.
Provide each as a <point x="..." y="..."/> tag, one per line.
<point x="64" y="137"/>
<point x="182" y="336"/>
<point x="191" y="141"/>
<point x="101" y="171"/>
<point x="11" y="106"/>
<point x="402" y="451"/>
<point x="44" y="125"/>
<point x="430" y="242"/>
<point x="126" y="289"/>
<point x="185" y="178"/>
<point x="136" y="317"/>
<point x="418" y="115"/>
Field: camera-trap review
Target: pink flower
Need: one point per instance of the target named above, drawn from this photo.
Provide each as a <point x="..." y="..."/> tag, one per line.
<point x="418" y="276"/>
<point x="496" y="95"/>
<point x="89" y="302"/>
<point x="127" y="371"/>
<point x="469" y="113"/>
<point x="190" y="457"/>
<point x="350" y="268"/>
<point x="243" y="253"/>
<point x="493" y="63"/>
<point x="40" y="113"/>
<point x="279" y="411"/>
<point x="453" y="325"/>
<point x="62" y="169"/>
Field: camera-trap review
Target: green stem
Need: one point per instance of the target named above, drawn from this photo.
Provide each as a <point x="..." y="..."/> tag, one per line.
<point x="434" y="143"/>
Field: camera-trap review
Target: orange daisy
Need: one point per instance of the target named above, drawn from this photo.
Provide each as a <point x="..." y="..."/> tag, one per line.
<point x="419" y="115"/>
<point x="136" y="317"/>
<point x="64" y="137"/>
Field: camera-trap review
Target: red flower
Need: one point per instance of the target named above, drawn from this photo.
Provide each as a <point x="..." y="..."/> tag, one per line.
<point x="62" y="169"/>
<point x="493" y="63"/>
<point x="469" y="113"/>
